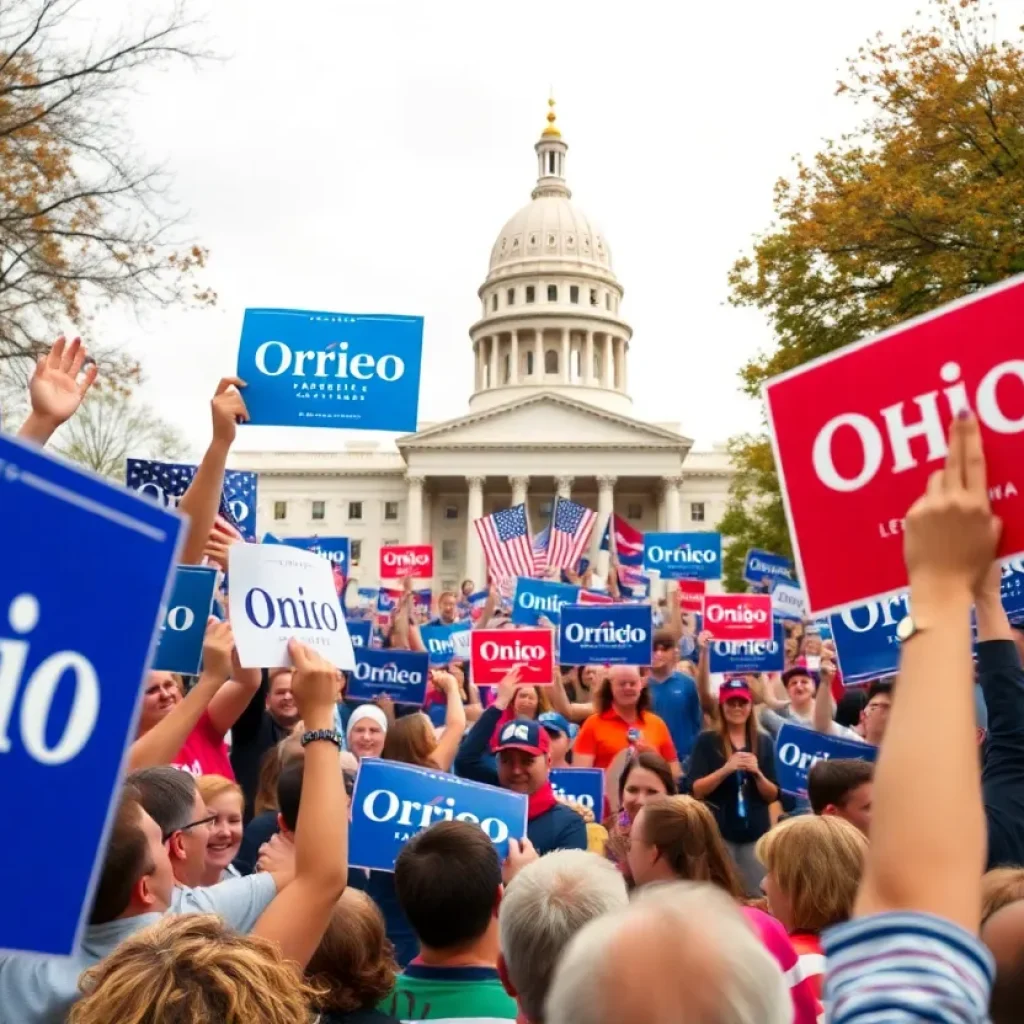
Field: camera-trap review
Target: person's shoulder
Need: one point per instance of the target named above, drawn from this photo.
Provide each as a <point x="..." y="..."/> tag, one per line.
<point x="707" y="739"/>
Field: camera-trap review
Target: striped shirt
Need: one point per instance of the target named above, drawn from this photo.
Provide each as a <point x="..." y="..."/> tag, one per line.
<point x="902" y="966"/>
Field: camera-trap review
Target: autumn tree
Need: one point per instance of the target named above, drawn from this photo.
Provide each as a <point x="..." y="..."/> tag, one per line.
<point x="923" y="204"/>
<point x="84" y="222"/>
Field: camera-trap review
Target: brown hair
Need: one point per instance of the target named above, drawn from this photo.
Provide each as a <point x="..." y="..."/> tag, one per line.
<point x="655" y="764"/>
<point x="602" y="697"/>
<point x="354" y="963"/>
<point x="817" y="863"/>
<point x="212" y="786"/>
<point x="1000" y="887"/>
<point x="192" y="969"/>
<point x="832" y="782"/>
<point x="288" y="750"/>
<point x="411" y="740"/>
<point x="750" y="730"/>
<point x="127" y="860"/>
<point x="686" y="834"/>
<point x="543" y="701"/>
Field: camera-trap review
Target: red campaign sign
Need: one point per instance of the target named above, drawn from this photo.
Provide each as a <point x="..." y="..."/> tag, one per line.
<point x="495" y="652"/>
<point x="739" y="616"/>
<point x="857" y="433"/>
<point x="400" y="560"/>
<point x="691" y="595"/>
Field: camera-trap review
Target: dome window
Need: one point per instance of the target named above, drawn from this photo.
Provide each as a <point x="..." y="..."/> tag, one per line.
<point x="504" y="243"/>
<point x="530" y="293"/>
<point x="494" y="301"/>
<point x="552" y="293"/>
<point x="551" y="361"/>
<point x="574" y="293"/>
<point x="551" y="241"/>
<point x="593" y="296"/>
<point x="533" y="239"/>
<point x="571" y="241"/>
<point x="586" y="243"/>
<point x="529" y="364"/>
<point x="511" y="296"/>
<point x="515" y="243"/>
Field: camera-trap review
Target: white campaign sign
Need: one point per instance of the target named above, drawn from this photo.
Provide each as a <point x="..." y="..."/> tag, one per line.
<point x="276" y="592"/>
<point x="788" y="602"/>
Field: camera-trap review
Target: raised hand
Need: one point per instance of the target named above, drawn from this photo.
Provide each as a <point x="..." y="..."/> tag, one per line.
<point x="506" y="691"/>
<point x="218" y="648"/>
<point x="314" y="684"/>
<point x="57" y="388"/>
<point x="228" y="409"/>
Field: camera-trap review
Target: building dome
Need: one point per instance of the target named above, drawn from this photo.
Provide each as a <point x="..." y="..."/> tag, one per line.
<point x="550" y="303"/>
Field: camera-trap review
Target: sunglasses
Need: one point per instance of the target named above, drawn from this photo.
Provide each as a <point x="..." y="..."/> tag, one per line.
<point x="209" y="820"/>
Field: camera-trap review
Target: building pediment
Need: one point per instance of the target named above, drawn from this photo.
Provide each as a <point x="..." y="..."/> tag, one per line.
<point x="547" y="420"/>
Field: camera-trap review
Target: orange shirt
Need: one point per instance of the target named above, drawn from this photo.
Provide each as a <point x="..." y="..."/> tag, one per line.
<point x="604" y="736"/>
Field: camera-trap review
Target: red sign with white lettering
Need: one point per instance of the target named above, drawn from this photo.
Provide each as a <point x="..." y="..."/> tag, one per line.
<point x="739" y="616"/>
<point x="691" y="595"/>
<point x="495" y="652"/>
<point x="857" y="433"/>
<point x="400" y="560"/>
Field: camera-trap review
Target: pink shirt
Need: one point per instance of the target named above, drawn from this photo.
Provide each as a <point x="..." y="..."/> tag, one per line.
<point x="777" y="942"/>
<point x="205" y="752"/>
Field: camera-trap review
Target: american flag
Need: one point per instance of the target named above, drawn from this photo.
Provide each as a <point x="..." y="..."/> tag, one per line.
<point x="571" y="527"/>
<point x="630" y="576"/>
<point x="505" y="538"/>
<point x="540" y="550"/>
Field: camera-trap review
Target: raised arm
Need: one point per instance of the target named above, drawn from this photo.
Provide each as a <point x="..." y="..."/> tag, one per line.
<point x="234" y="696"/>
<point x="454" y="720"/>
<point x="57" y="388"/>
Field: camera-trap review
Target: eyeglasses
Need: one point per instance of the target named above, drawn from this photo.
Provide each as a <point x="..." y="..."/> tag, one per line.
<point x="209" y="820"/>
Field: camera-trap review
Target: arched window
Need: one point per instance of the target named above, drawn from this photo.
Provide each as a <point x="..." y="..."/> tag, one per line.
<point x="551" y="361"/>
<point x="597" y="366"/>
<point x="529" y="364"/>
<point x="508" y="369"/>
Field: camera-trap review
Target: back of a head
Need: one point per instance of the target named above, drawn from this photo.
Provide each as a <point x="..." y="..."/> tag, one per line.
<point x="167" y="795"/>
<point x="641" y="964"/>
<point x="1000" y="887"/>
<point x="188" y="969"/>
<point x="447" y="880"/>
<point x="1003" y="933"/>
<point x="127" y="859"/>
<point x="545" y="905"/>
<point x="289" y="792"/>
<point x="831" y="782"/>
<point x="411" y="740"/>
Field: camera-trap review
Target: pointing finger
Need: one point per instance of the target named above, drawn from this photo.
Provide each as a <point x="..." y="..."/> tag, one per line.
<point x="227" y="382"/>
<point x="973" y="454"/>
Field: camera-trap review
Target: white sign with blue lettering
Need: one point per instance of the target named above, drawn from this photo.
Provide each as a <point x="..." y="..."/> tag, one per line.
<point x="184" y="626"/>
<point x="279" y="592"/>
<point x="798" y="749"/>
<point x="400" y="675"/>
<point x="788" y="602"/>
<point x="311" y="369"/>
<point x="684" y="556"/>
<point x="74" y="650"/>
<point x="606" y="634"/>
<point x="334" y="549"/>
<point x="535" y="598"/>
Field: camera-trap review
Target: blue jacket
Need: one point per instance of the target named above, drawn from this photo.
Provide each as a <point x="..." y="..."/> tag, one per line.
<point x="560" y="828"/>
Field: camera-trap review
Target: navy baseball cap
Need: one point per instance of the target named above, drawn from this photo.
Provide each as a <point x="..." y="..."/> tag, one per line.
<point x="526" y="735"/>
<point x="554" y="722"/>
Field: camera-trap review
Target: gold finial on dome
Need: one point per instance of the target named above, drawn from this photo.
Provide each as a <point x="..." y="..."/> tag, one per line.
<point x="552" y="129"/>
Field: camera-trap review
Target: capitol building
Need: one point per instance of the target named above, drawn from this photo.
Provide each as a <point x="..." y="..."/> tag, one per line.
<point x="550" y="414"/>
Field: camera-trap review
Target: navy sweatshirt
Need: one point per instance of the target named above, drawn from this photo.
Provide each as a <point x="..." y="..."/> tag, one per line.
<point x="560" y="828"/>
<point x="1002" y="772"/>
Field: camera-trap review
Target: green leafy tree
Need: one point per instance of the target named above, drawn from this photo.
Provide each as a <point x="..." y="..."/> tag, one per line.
<point x="923" y="204"/>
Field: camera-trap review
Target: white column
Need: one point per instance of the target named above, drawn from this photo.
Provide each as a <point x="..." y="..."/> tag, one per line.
<point x="605" y="508"/>
<point x="494" y="360"/>
<point x="520" y="489"/>
<point x="474" y="569"/>
<point x="609" y="361"/>
<point x="625" y="364"/>
<point x="566" y="365"/>
<point x="414" y="511"/>
<point x="673" y="517"/>
<point x="514" y="359"/>
<point x="538" y="353"/>
<point x="588" y="360"/>
<point x="563" y="486"/>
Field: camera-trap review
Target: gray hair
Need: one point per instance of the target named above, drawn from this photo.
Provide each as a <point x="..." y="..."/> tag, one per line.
<point x="640" y="964"/>
<point x="545" y="905"/>
<point x="167" y="795"/>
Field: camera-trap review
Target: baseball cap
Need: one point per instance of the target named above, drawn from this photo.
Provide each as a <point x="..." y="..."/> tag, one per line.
<point x="554" y="722"/>
<point x="800" y="668"/>
<point x="524" y="734"/>
<point x="733" y="688"/>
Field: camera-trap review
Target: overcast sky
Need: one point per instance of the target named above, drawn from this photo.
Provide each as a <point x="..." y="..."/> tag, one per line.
<point x="362" y="157"/>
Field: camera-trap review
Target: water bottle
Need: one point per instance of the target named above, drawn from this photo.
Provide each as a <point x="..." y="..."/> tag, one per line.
<point x="741" y="800"/>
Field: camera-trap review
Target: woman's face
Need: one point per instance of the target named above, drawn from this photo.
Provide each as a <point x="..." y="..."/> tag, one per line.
<point x="559" y="747"/>
<point x="812" y="645"/>
<point x="525" y="702"/>
<point x="225" y="835"/>
<point x="737" y="710"/>
<point x="801" y="691"/>
<point x="161" y="695"/>
<point x="467" y="588"/>
<point x="641" y="856"/>
<point x="777" y="901"/>
<point x="366" y="738"/>
<point x="641" y="785"/>
<point x="590" y="677"/>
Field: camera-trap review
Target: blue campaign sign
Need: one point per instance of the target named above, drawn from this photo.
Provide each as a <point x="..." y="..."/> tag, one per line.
<point x="684" y="556"/>
<point x="865" y="639"/>
<point x="391" y="802"/>
<point x="761" y="565"/>
<point x="310" y="369"/>
<point x="534" y="598"/>
<point x="335" y="549"/>
<point x="74" y="650"/>
<point x="748" y="656"/>
<point x="400" y="675"/>
<point x="583" y="785"/>
<point x="180" y="648"/>
<point x="166" y="482"/>
<point x="797" y="749"/>
<point x="605" y="634"/>
<point x="440" y="641"/>
<point x="1012" y="588"/>
<point x="359" y="631"/>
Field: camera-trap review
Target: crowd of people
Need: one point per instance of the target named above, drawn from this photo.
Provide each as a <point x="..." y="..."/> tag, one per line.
<point x="700" y="891"/>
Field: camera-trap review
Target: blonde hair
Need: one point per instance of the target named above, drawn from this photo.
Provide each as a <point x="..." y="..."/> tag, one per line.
<point x="412" y="740"/>
<point x="212" y="786"/>
<point x="1000" y="887"/>
<point x="817" y="862"/>
<point x="192" y="969"/>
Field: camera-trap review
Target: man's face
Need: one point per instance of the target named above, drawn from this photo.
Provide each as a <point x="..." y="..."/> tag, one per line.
<point x="800" y="689"/>
<point x="876" y="717"/>
<point x="161" y="878"/>
<point x="626" y="686"/>
<point x="664" y="657"/>
<point x="280" y="702"/>
<point x="446" y="608"/>
<point x="189" y="869"/>
<point x="521" y="771"/>
<point x="857" y="809"/>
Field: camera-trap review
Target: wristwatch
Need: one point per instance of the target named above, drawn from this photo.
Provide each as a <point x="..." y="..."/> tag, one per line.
<point x="331" y="735"/>
<point x="906" y="628"/>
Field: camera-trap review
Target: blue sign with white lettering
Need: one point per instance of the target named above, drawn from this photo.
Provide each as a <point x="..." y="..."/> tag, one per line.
<point x="748" y="656"/>
<point x="761" y="565"/>
<point x="359" y="631"/>
<point x="74" y="650"/>
<point x="309" y="369"/>
<point x="684" y="556"/>
<point x="166" y="482"/>
<point x="1012" y="589"/>
<point x="797" y="749"/>
<point x="391" y="802"/>
<point x="440" y="642"/>
<point x="180" y="648"/>
<point x="583" y="785"/>
<point x="605" y="634"/>
<point x="335" y="549"/>
<point x="534" y="598"/>
<point x="865" y="637"/>
<point x="400" y="675"/>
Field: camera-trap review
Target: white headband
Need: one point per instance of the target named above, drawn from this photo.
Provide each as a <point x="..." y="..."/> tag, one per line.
<point x="366" y="711"/>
